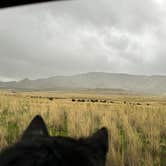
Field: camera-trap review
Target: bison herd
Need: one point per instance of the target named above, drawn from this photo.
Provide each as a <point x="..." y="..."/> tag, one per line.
<point x="88" y="100"/>
<point x="105" y="101"/>
<point x="44" y="97"/>
<point x="92" y="100"/>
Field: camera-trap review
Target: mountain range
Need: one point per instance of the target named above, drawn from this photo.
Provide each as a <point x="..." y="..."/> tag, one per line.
<point x="93" y="80"/>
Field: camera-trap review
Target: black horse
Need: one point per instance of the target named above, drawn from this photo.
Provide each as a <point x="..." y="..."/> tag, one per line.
<point x="37" y="148"/>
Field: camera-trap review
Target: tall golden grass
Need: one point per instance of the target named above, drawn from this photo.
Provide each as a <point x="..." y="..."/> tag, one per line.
<point x="137" y="133"/>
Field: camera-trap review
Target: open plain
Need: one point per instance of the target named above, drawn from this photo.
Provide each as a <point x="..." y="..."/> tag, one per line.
<point x="136" y="123"/>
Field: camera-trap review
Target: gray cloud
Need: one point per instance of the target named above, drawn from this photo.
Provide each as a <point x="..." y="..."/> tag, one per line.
<point x="80" y="36"/>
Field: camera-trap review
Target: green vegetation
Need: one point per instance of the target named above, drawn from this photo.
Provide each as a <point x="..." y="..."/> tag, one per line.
<point x="137" y="131"/>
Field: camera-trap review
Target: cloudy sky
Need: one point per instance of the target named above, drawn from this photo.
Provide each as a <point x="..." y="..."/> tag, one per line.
<point x="63" y="38"/>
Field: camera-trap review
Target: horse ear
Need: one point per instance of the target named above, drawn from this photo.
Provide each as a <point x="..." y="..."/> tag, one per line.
<point x="99" y="140"/>
<point x="36" y="128"/>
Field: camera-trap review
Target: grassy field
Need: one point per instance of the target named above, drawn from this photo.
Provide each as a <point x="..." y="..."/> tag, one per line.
<point x="136" y="124"/>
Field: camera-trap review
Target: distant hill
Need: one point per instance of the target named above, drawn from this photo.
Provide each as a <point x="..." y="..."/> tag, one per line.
<point x="94" y="80"/>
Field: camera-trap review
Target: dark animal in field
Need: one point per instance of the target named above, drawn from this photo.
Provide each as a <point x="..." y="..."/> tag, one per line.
<point x="73" y="100"/>
<point x="50" y="98"/>
<point x="103" y="101"/>
<point x="81" y="100"/>
<point x="37" y="148"/>
<point x="94" y="100"/>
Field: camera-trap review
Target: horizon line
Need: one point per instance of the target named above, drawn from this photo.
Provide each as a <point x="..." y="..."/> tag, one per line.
<point x="81" y="73"/>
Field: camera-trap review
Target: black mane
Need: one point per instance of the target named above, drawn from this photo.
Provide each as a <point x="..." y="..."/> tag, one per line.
<point x="37" y="148"/>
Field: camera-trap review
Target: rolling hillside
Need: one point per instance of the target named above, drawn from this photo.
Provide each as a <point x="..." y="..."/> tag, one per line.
<point x="93" y="80"/>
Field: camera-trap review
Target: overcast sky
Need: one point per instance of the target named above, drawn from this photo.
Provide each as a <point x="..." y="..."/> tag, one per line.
<point x="62" y="38"/>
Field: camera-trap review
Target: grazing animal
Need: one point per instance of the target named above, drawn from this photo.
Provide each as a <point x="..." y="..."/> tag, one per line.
<point x="37" y="148"/>
<point x="82" y="100"/>
<point x="103" y="101"/>
<point x="73" y="100"/>
<point x="50" y="98"/>
<point x="94" y="100"/>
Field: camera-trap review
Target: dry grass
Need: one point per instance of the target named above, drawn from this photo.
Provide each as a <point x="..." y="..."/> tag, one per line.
<point x="137" y="132"/>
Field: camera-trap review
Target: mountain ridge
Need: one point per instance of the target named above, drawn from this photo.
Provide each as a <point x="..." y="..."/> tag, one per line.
<point x="94" y="80"/>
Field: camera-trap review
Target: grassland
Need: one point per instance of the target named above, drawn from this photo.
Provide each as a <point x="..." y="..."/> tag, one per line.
<point x="137" y="124"/>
